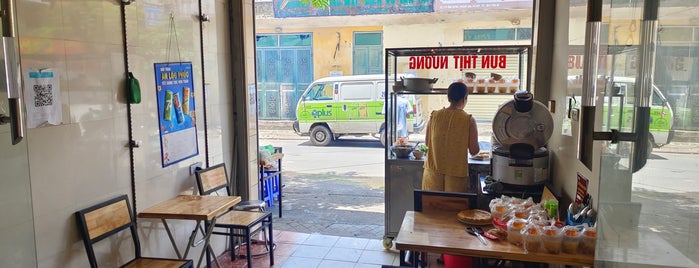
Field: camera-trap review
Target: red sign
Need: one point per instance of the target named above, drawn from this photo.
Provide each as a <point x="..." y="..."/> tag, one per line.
<point x="458" y="62"/>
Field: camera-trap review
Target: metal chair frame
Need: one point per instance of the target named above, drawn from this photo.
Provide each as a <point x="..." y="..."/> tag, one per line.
<point x="240" y="224"/>
<point x="105" y="219"/>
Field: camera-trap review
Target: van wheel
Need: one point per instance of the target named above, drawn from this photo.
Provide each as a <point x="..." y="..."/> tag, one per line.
<point x="321" y="136"/>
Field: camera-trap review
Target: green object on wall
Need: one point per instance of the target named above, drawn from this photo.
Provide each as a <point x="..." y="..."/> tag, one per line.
<point x="133" y="89"/>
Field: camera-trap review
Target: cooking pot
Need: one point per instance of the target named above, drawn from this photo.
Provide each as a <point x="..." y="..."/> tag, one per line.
<point x="523" y="120"/>
<point x="418" y="84"/>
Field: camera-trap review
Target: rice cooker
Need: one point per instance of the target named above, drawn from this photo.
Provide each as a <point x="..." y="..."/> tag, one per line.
<point x="521" y="128"/>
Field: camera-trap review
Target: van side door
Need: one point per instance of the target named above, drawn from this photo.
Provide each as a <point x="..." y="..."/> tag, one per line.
<point x="356" y="100"/>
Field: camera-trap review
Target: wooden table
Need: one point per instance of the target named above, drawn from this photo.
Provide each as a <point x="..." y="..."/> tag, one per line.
<point x="192" y="207"/>
<point x="440" y="232"/>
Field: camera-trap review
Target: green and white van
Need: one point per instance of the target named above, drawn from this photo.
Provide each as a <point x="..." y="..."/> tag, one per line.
<point x="619" y="110"/>
<point x="336" y="106"/>
<point x="621" y="103"/>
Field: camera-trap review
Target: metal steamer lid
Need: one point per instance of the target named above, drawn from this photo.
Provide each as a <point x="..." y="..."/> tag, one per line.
<point x="523" y="120"/>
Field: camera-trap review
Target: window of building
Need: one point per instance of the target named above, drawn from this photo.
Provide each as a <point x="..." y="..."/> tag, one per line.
<point x="266" y="40"/>
<point x="295" y="40"/>
<point x="367" y="53"/>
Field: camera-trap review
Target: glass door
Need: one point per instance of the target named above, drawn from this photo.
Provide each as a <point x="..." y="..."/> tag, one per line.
<point x="647" y="85"/>
<point x="17" y="246"/>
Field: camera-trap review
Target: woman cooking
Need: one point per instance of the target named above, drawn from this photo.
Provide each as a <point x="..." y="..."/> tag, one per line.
<point x="451" y="134"/>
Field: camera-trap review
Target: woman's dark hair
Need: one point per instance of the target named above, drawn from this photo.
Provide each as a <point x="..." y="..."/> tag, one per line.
<point x="457" y="91"/>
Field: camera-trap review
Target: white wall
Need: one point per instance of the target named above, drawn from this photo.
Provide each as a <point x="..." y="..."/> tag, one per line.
<point x="84" y="160"/>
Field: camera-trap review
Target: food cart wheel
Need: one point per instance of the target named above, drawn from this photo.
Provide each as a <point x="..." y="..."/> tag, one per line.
<point x="387" y="243"/>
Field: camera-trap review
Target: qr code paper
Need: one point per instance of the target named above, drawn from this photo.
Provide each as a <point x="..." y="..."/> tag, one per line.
<point x="43" y="95"/>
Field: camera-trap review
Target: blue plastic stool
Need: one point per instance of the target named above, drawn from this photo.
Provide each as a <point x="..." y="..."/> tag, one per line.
<point x="269" y="186"/>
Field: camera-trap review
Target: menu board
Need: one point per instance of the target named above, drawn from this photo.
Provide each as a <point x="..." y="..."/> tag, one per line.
<point x="176" y="111"/>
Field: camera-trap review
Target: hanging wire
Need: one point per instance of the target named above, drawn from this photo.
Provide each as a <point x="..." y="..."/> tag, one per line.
<point x="173" y="31"/>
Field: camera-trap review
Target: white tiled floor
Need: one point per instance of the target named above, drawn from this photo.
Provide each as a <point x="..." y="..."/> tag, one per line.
<point x="300" y="250"/>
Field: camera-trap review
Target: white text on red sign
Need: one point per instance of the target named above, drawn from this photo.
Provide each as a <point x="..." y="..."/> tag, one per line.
<point x="458" y="62"/>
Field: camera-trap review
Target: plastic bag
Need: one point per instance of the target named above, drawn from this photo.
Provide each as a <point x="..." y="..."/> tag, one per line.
<point x="532" y="237"/>
<point x="266" y="159"/>
<point x="134" y="89"/>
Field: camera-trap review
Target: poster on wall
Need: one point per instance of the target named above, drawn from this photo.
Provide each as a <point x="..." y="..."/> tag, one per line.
<point x="176" y="113"/>
<point x="42" y="95"/>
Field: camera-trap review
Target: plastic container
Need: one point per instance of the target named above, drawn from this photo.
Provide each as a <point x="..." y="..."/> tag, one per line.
<point x="470" y="84"/>
<point x="552" y="239"/>
<point x="514" y="85"/>
<point x="456" y="261"/>
<point x="480" y="86"/>
<point x="551" y="206"/>
<point x="587" y="240"/>
<point x="571" y="239"/>
<point x="514" y="231"/>
<point x="491" y="86"/>
<point x="498" y="209"/>
<point x="502" y="86"/>
<point x="531" y="235"/>
<point x="520" y="212"/>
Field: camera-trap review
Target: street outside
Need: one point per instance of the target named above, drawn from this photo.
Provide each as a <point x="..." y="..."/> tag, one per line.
<point x="339" y="189"/>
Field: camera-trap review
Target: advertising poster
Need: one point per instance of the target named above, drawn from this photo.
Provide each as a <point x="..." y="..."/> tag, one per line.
<point x="176" y="113"/>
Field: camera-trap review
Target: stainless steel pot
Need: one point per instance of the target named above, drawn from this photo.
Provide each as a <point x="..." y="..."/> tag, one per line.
<point x="418" y="84"/>
<point x="512" y="170"/>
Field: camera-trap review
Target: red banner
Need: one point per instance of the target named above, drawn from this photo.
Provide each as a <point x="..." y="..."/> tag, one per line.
<point x="458" y="62"/>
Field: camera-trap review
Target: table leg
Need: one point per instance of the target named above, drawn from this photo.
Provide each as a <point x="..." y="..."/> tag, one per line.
<point x="207" y="235"/>
<point x="207" y="246"/>
<point x="172" y="240"/>
<point x="271" y="232"/>
<point x="248" y="243"/>
<point x="191" y="240"/>
<point x="280" y="188"/>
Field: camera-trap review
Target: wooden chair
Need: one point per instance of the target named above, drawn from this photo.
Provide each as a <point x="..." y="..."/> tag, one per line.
<point x="240" y="224"/>
<point x="424" y="200"/>
<point x="110" y="217"/>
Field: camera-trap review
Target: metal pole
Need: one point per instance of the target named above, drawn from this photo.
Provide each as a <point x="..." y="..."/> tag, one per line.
<point x="589" y="87"/>
<point x="12" y="73"/>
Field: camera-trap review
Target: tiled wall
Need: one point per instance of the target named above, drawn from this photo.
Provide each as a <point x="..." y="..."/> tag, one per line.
<point x="84" y="160"/>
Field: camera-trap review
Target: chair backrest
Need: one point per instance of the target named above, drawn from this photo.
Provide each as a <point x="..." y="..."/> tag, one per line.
<point x="103" y="220"/>
<point x="444" y="201"/>
<point x="212" y="179"/>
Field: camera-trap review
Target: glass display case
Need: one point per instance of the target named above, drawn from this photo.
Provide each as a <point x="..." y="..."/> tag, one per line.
<point x="416" y="84"/>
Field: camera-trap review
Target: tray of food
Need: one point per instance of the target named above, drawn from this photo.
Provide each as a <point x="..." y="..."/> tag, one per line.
<point x="474" y="217"/>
